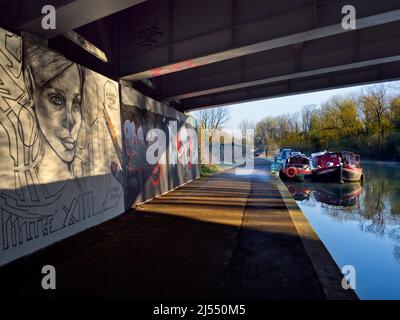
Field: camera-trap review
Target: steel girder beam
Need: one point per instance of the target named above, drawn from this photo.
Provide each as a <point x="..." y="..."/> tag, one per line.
<point x="366" y="75"/>
<point x="373" y="46"/>
<point x="234" y="34"/>
<point x="299" y="75"/>
<point x="74" y="14"/>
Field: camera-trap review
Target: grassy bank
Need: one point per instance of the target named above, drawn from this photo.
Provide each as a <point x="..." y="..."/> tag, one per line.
<point x="208" y="169"/>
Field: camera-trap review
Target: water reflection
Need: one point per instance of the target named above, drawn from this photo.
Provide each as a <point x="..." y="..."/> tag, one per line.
<point x="376" y="209"/>
<point x="365" y="218"/>
<point x="331" y="196"/>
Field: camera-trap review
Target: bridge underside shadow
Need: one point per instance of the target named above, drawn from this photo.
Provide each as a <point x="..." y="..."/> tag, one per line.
<point x="226" y="236"/>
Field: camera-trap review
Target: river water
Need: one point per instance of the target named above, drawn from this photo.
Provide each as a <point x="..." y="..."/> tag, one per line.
<point x="360" y="226"/>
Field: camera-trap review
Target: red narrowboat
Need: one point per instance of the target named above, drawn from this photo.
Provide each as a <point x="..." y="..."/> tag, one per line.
<point x="340" y="167"/>
<point x="296" y="167"/>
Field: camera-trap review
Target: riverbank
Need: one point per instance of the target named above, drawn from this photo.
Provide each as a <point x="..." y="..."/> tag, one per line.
<point x="207" y="170"/>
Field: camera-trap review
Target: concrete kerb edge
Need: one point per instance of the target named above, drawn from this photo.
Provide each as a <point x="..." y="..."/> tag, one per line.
<point x="327" y="270"/>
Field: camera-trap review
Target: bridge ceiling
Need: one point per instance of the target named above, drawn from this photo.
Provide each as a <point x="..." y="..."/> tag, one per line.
<point x="195" y="54"/>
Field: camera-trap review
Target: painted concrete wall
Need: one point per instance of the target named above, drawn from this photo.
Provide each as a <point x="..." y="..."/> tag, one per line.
<point x="140" y="114"/>
<point x="63" y="159"/>
<point x="59" y="136"/>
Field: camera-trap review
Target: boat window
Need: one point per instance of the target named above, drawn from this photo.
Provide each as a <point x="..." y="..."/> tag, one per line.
<point x="327" y="160"/>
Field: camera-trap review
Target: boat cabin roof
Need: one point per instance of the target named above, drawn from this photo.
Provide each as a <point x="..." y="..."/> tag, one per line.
<point x="324" y="159"/>
<point x="330" y="153"/>
<point x="298" y="159"/>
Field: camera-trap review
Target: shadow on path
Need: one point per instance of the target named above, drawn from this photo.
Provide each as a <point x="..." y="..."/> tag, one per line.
<point x="225" y="236"/>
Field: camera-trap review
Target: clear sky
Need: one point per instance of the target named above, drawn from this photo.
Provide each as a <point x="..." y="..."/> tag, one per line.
<point x="256" y="110"/>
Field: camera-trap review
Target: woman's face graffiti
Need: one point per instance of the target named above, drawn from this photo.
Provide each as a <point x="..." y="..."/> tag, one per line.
<point x="59" y="114"/>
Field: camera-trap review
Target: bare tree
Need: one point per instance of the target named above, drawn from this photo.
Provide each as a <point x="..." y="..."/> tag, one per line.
<point x="213" y="118"/>
<point x="245" y="125"/>
<point x="306" y="116"/>
<point x="376" y="104"/>
<point x="266" y="133"/>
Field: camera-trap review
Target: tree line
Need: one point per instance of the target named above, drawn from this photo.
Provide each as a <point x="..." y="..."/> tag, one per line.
<point x="366" y="122"/>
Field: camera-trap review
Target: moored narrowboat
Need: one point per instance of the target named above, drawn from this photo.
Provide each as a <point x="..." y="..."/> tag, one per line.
<point x="351" y="171"/>
<point x="280" y="160"/>
<point x="340" y="167"/>
<point x="297" y="167"/>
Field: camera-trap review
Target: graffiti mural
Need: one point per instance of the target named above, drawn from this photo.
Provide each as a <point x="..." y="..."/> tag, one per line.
<point x="144" y="181"/>
<point x="60" y="148"/>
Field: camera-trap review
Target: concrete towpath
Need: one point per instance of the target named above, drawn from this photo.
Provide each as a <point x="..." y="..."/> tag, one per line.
<point x="235" y="235"/>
